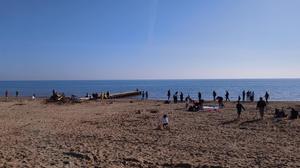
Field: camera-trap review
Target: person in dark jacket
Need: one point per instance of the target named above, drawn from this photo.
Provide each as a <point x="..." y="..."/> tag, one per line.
<point x="267" y="96"/>
<point x="199" y="96"/>
<point x="214" y="95"/>
<point x="239" y="109"/>
<point x="261" y="106"/>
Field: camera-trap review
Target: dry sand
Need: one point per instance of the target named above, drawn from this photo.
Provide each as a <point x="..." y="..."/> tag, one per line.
<point x="122" y="133"/>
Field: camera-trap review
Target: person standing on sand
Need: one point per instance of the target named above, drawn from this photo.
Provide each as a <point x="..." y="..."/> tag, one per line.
<point x="181" y="97"/>
<point x="239" y="98"/>
<point x="107" y="94"/>
<point x="17" y="93"/>
<point x="267" y="96"/>
<point x="261" y="105"/>
<point x="175" y="97"/>
<point x="146" y="94"/>
<point x="244" y="95"/>
<point x="169" y="94"/>
<point x="239" y="109"/>
<point x="199" y="96"/>
<point x="214" y="95"/>
<point x="6" y="94"/>
<point x="143" y="95"/>
<point x="227" y="96"/>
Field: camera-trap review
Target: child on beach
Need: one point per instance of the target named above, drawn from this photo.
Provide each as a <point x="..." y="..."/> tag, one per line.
<point x="165" y="122"/>
<point x="239" y="108"/>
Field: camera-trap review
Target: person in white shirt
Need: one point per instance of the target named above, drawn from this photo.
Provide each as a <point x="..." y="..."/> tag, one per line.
<point x="33" y="97"/>
<point x="165" y="121"/>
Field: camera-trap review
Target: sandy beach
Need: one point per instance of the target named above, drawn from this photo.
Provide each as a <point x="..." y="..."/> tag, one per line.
<point x="123" y="133"/>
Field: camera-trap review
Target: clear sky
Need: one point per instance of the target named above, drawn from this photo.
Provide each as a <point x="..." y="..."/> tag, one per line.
<point x="149" y="39"/>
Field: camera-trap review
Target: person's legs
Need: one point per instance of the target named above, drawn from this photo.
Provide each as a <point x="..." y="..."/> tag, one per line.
<point x="261" y="112"/>
<point x="239" y="114"/>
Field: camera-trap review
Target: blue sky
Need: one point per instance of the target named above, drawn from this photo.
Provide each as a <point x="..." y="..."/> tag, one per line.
<point x="149" y="39"/>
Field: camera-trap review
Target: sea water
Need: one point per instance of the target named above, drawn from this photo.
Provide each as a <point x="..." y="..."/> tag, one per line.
<point x="279" y="89"/>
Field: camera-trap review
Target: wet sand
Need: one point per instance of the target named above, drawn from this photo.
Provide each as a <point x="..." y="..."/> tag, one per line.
<point x="123" y="133"/>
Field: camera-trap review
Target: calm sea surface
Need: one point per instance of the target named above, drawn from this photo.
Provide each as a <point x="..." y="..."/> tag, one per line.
<point x="279" y="89"/>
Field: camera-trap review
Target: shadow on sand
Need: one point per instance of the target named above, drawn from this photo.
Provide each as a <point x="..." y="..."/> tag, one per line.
<point x="230" y="122"/>
<point x="249" y="122"/>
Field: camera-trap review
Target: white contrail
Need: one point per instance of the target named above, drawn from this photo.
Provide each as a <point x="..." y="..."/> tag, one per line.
<point x="152" y="21"/>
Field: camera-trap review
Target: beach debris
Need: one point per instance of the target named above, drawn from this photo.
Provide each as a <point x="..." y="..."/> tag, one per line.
<point x="61" y="98"/>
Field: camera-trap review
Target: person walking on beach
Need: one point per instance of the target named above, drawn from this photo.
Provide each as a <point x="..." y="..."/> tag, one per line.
<point x="17" y="93"/>
<point x="244" y="95"/>
<point x="267" y="96"/>
<point x="146" y="94"/>
<point x="239" y="98"/>
<point x="169" y="94"/>
<point x="261" y="105"/>
<point x="214" y="95"/>
<point x="239" y="109"/>
<point x="199" y="96"/>
<point x="181" y="97"/>
<point x="227" y="96"/>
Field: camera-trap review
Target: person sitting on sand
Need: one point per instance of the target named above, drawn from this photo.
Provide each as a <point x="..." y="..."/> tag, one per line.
<point x="261" y="105"/>
<point x="165" y="121"/>
<point x="239" y="108"/>
<point x="33" y="97"/>
<point x="220" y="101"/>
<point x="293" y="114"/>
<point x="279" y="113"/>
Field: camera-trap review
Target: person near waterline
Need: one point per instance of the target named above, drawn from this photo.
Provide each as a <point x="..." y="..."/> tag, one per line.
<point x="17" y="93"/>
<point x="147" y="94"/>
<point x="33" y="97"/>
<point x="214" y="95"/>
<point x="169" y="94"/>
<point x="239" y="109"/>
<point x="267" y="96"/>
<point x="181" y="97"/>
<point x="6" y="94"/>
<point x="244" y="95"/>
<point x="261" y="105"/>
<point x="199" y="96"/>
<point x="239" y="98"/>
<point x="143" y="95"/>
<point x="227" y="96"/>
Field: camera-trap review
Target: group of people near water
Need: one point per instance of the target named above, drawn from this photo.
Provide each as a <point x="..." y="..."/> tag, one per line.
<point x="96" y="95"/>
<point x="17" y="93"/>
<point x="246" y="96"/>
<point x="144" y="95"/>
